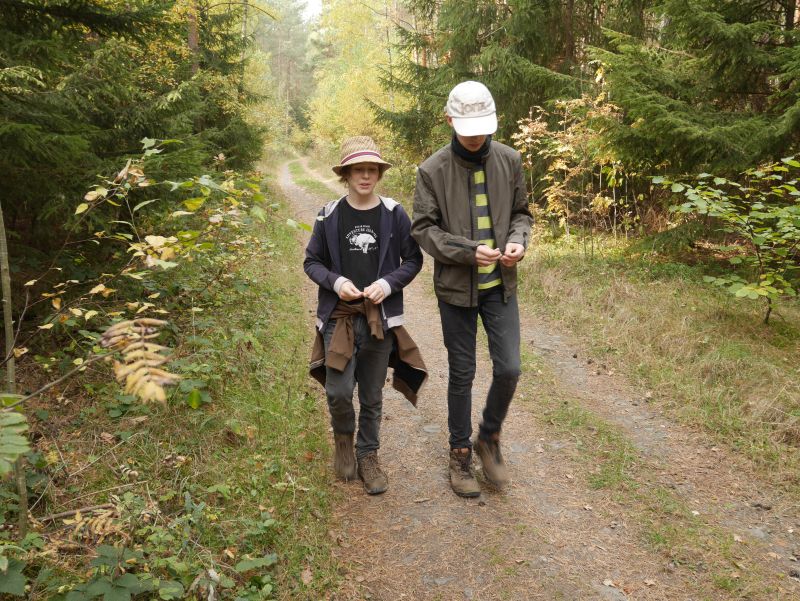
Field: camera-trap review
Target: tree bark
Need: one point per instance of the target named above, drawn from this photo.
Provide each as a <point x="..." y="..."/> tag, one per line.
<point x="387" y="26"/>
<point x="11" y="383"/>
<point x="193" y="36"/>
<point x="569" y="34"/>
<point x="791" y="14"/>
<point x="244" y="47"/>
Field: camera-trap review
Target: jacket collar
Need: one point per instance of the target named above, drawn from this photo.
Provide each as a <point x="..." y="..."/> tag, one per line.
<point x="389" y="203"/>
<point x="465" y="163"/>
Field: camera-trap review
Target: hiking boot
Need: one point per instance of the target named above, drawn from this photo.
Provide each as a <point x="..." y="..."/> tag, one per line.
<point x="375" y="480"/>
<point x="462" y="481"/>
<point x="494" y="468"/>
<point x="344" y="460"/>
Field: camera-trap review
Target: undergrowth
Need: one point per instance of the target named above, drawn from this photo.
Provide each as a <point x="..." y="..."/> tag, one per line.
<point x="222" y="494"/>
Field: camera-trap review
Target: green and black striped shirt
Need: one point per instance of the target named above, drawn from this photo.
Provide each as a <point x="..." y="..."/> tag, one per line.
<point x="488" y="277"/>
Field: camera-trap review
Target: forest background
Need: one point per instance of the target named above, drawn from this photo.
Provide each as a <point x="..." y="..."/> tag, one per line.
<point x="138" y="142"/>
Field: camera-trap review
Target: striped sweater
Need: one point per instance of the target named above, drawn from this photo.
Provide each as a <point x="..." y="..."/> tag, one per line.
<point x="489" y="276"/>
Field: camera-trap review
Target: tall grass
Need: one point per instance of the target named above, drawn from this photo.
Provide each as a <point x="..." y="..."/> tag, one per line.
<point x="706" y="355"/>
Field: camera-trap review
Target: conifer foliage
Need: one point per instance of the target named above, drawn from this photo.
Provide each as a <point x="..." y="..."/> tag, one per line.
<point x="702" y="84"/>
<point x="712" y="86"/>
<point x="82" y="81"/>
<point x="527" y="52"/>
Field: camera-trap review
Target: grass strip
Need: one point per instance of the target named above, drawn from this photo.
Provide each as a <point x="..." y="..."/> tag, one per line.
<point x="305" y="180"/>
<point x="704" y="354"/>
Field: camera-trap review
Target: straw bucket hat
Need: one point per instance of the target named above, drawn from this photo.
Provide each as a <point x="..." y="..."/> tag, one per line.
<point x="360" y="149"/>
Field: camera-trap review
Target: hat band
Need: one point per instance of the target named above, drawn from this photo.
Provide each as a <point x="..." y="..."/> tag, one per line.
<point x="472" y="116"/>
<point x="361" y="153"/>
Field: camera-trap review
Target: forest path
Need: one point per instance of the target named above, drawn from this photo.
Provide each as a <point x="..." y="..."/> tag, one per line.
<point x="688" y="520"/>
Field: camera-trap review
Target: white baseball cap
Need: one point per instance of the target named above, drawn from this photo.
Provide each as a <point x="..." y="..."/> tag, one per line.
<point x="472" y="109"/>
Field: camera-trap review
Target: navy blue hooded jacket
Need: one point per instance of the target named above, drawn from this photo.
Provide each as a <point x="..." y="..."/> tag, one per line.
<point x="400" y="260"/>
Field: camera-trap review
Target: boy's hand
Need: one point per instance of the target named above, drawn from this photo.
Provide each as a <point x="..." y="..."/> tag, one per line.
<point x="375" y="293"/>
<point x="485" y="256"/>
<point x="513" y="254"/>
<point x="349" y="292"/>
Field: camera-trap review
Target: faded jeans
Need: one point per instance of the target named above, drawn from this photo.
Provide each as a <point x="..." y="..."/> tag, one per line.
<point x="367" y="367"/>
<point x="460" y="328"/>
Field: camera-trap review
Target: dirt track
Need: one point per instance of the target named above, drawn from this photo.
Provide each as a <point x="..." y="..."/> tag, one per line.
<point x="550" y="535"/>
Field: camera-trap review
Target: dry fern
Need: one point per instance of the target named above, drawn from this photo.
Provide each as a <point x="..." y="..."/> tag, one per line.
<point x="95" y="528"/>
<point x="141" y="359"/>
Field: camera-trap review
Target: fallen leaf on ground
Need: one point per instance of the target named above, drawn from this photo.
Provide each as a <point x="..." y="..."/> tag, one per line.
<point x="107" y="437"/>
<point x="609" y="582"/>
<point x="307" y="576"/>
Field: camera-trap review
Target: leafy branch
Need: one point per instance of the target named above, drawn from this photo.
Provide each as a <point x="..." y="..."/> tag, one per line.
<point x="763" y="211"/>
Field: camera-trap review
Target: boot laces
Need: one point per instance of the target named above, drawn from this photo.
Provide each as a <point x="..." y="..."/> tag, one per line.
<point x="464" y="461"/>
<point x="369" y="467"/>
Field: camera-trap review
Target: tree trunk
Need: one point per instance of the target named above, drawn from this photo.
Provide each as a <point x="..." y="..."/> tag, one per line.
<point x="791" y="14"/>
<point x="569" y="35"/>
<point x="11" y="384"/>
<point x="387" y="25"/>
<point x="193" y="36"/>
<point x="244" y="46"/>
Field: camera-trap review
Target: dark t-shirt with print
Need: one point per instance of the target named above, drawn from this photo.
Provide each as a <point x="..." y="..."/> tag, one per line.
<point x="358" y="243"/>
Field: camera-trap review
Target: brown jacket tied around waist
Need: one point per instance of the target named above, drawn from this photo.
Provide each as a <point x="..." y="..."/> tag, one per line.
<point x="406" y="361"/>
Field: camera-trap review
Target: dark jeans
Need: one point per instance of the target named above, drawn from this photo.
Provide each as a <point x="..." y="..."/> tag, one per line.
<point x="367" y="367"/>
<point x="460" y="328"/>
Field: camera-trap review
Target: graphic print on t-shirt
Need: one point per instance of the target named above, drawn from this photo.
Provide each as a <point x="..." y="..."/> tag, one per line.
<point x="358" y="244"/>
<point x="362" y="238"/>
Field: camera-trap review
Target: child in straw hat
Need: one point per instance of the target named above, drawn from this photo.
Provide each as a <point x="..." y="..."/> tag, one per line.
<point x="361" y="255"/>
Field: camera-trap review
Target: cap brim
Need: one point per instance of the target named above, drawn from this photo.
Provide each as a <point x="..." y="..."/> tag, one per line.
<point x="475" y="126"/>
<point x="337" y="169"/>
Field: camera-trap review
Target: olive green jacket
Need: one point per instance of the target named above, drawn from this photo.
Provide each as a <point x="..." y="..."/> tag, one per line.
<point x="444" y="223"/>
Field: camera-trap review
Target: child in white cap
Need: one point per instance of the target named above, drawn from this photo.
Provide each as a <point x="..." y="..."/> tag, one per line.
<point x="471" y="215"/>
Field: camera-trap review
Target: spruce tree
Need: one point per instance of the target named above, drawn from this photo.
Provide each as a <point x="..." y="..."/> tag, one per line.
<point x="714" y="87"/>
<point x="83" y="81"/>
<point x="528" y="52"/>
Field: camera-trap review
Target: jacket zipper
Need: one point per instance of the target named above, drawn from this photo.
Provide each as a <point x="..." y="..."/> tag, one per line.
<point x="381" y="258"/>
<point x="472" y="287"/>
<point x="494" y="232"/>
